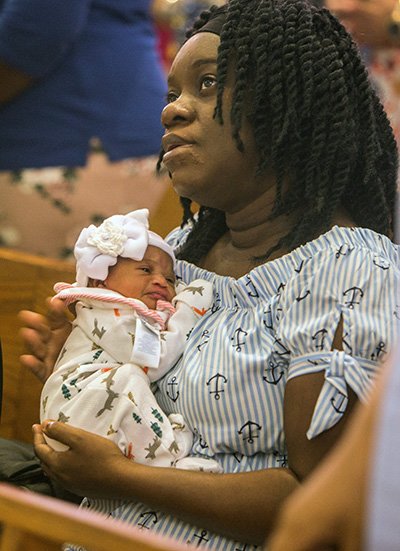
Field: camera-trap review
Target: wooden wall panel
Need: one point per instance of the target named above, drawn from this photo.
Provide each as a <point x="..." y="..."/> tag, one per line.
<point x="25" y="282"/>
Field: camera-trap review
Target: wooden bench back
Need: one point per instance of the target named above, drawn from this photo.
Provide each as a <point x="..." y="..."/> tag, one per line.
<point x="32" y="522"/>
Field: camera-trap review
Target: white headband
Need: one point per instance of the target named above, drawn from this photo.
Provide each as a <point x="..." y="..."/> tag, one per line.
<point x="98" y="248"/>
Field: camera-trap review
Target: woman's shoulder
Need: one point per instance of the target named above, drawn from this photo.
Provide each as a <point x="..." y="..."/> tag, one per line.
<point x="336" y="243"/>
<point x="186" y="271"/>
<point x="341" y="248"/>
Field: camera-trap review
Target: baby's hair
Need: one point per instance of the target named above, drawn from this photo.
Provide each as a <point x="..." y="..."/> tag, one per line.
<point x="317" y="121"/>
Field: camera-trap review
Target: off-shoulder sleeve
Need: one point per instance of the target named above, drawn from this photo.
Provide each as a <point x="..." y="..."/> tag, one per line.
<point x="35" y="35"/>
<point x="358" y="286"/>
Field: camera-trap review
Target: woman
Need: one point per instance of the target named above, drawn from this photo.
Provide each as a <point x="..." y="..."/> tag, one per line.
<point x="272" y="127"/>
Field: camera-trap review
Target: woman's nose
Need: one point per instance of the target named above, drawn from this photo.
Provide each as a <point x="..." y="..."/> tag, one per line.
<point x="176" y="112"/>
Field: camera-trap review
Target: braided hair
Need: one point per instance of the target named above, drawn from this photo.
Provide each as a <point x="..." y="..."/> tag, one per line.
<point x="315" y="116"/>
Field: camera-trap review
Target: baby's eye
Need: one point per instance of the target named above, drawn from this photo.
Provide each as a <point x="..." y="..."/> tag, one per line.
<point x="145" y="269"/>
<point x="207" y="82"/>
<point x="171" y="280"/>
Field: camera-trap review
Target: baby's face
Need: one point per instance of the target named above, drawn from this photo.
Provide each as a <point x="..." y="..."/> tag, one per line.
<point x="148" y="280"/>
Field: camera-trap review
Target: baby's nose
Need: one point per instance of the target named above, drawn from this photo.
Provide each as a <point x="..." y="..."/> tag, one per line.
<point x="159" y="279"/>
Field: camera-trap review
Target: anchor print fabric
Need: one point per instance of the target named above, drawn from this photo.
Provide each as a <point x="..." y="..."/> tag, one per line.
<point x="99" y="386"/>
<point x="275" y="323"/>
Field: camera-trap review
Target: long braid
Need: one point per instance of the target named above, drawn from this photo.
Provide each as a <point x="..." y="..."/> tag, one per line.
<point x="227" y="38"/>
<point x="242" y="57"/>
<point x="315" y="116"/>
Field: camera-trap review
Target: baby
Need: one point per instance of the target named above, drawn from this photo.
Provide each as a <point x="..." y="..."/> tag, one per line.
<point x="130" y="329"/>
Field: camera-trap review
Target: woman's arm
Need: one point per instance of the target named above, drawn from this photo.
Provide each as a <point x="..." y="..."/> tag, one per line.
<point x="300" y="398"/>
<point x="240" y="506"/>
<point x="327" y="375"/>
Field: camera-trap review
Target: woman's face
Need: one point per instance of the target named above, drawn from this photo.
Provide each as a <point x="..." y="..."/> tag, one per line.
<point x="200" y="153"/>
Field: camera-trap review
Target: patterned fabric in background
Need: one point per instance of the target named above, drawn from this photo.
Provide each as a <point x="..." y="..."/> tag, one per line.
<point x="62" y="200"/>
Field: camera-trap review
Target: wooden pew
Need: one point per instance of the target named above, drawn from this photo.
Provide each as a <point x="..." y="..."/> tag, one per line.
<point x="31" y="522"/>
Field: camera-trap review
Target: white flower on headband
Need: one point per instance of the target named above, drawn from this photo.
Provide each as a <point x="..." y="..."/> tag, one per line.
<point x="108" y="238"/>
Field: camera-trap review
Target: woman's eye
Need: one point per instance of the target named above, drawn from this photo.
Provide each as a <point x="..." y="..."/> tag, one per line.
<point x="171" y="97"/>
<point x="208" y="82"/>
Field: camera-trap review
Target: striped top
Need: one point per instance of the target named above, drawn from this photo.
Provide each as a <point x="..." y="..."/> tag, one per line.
<point x="275" y="323"/>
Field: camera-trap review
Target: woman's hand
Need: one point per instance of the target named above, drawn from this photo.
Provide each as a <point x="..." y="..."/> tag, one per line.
<point x="44" y="337"/>
<point x="86" y="468"/>
<point x="366" y="20"/>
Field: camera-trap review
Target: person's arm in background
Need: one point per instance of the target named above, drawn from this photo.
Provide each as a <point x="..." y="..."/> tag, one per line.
<point x="330" y="510"/>
<point x="367" y="20"/>
<point x="13" y="82"/>
<point x="34" y="38"/>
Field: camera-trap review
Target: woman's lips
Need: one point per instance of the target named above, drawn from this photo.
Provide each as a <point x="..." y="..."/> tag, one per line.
<point x="175" y="149"/>
<point x="173" y="144"/>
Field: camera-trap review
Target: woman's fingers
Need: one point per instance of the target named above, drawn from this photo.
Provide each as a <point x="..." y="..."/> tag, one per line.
<point x="54" y="463"/>
<point x="70" y="436"/>
<point x="36" y="366"/>
<point x="44" y="337"/>
<point x="78" y="468"/>
<point x="57" y="316"/>
<point x="43" y="451"/>
<point x="35" y="332"/>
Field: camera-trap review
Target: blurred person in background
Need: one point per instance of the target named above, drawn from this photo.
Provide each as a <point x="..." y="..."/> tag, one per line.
<point x="81" y="93"/>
